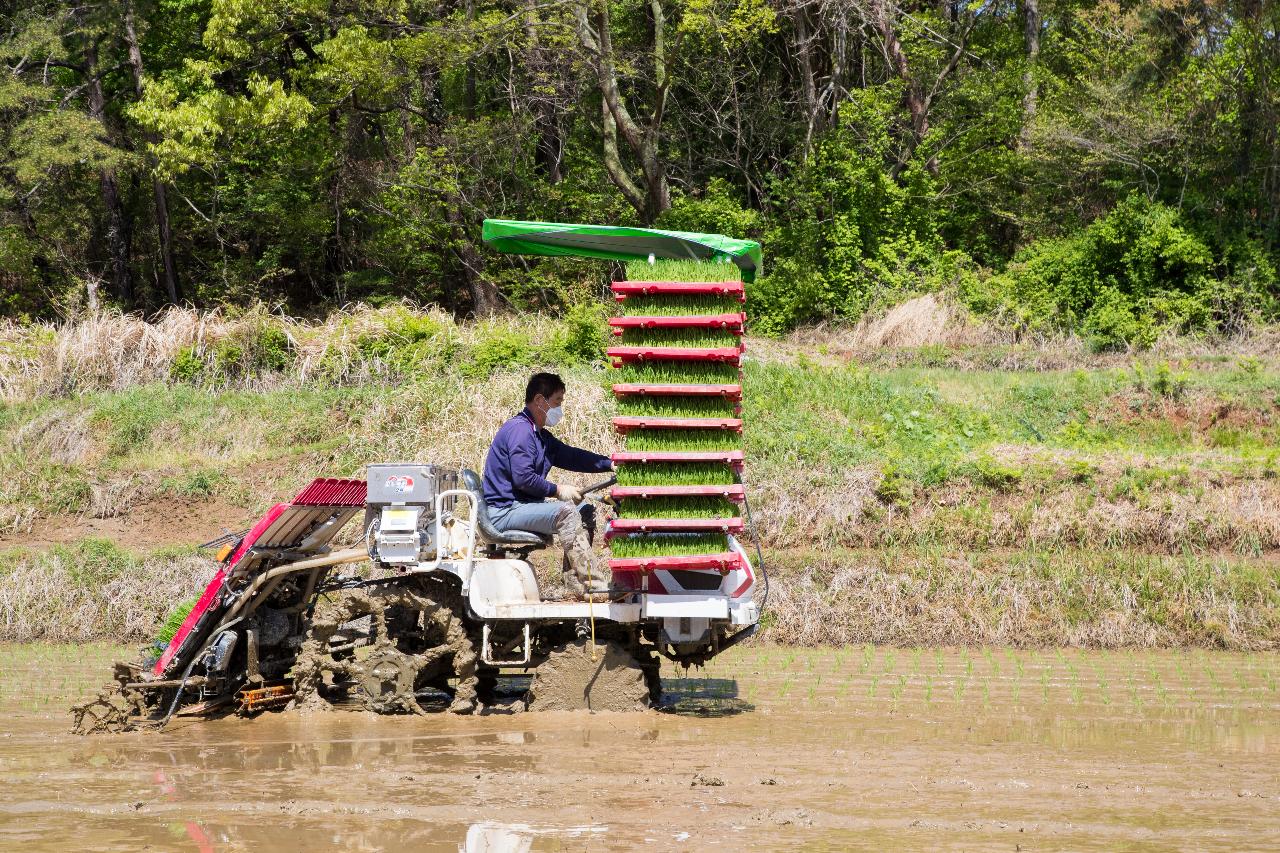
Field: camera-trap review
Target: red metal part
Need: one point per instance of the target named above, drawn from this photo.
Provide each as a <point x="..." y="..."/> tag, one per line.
<point x="624" y="289"/>
<point x="330" y="491"/>
<point x="673" y="525"/>
<point x="214" y="588"/>
<point x="728" y="355"/>
<point x="632" y="389"/>
<point x="728" y="322"/>
<point x="722" y="563"/>
<point x="623" y="425"/>
<point x="732" y="492"/>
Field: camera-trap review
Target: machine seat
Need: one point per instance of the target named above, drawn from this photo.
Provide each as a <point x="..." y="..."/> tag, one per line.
<point x="487" y="532"/>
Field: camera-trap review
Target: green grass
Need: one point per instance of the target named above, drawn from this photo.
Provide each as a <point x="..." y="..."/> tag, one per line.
<point x="683" y="439"/>
<point x="668" y="545"/>
<point x="677" y="508"/>
<point x="683" y="305"/>
<point x="677" y="407"/>
<point x="668" y="270"/>
<point x="674" y="373"/>
<point x="674" y="474"/>
<point x="679" y="337"/>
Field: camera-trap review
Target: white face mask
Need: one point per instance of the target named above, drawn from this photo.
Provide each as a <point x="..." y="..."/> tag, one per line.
<point x="554" y="415"/>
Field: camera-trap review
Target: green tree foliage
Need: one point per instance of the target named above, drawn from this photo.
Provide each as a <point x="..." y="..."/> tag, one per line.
<point x="1102" y="166"/>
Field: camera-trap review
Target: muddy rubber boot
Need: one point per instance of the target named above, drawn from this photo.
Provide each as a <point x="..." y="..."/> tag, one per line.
<point x="586" y="576"/>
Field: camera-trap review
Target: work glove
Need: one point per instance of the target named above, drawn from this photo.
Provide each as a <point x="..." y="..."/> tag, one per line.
<point x="565" y="492"/>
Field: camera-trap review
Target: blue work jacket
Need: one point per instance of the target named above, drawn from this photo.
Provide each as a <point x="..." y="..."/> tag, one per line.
<point x="521" y="456"/>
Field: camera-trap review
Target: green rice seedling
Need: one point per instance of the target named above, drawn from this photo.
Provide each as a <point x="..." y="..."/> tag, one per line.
<point x="683" y="439"/>
<point x="173" y="622"/>
<point x="665" y="507"/>
<point x="677" y="373"/>
<point x="677" y="407"/>
<point x="681" y="305"/>
<point x="674" y="474"/>
<point x="679" y="338"/>
<point x="666" y="545"/>
<point x="671" y="270"/>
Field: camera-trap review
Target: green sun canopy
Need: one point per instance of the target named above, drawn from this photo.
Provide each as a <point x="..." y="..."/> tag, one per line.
<point x="618" y="243"/>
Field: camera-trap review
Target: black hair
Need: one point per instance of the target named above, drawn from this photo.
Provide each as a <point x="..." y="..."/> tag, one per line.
<point x="545" y="384"/>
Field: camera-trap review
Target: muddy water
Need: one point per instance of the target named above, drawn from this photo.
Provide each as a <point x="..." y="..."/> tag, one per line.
<point x="772" y="749"/>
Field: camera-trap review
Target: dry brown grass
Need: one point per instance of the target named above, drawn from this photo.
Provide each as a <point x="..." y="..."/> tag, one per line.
<point x="45" y="597"/>
<point x="1066" y="598"/>
<point x="114" y="351"/>
<point x="929" y="320"/>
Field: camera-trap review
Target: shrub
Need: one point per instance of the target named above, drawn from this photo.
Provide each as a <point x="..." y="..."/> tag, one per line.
<point x="1130" y="276"/>
<point x="500" y="348"/>
<point x="851" y="235"/>
<point x="580" y="338"/>
<point x="187" y="365"/>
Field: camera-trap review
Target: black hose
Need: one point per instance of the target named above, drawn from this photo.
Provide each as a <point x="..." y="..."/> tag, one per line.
<point x="186" y="673"/>
<point x="755" y="537"/>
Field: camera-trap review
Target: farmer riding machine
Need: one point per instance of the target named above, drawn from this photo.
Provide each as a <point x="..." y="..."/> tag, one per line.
<point x="434" y="605"/>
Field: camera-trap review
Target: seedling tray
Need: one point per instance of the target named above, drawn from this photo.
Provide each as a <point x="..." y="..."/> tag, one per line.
<point x="722" y="563"/>
<point x="623" y="289"/>
<point x="732" y="492"/>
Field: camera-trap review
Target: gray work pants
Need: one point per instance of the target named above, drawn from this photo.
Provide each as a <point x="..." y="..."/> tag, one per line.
<point x="562" y="520"/>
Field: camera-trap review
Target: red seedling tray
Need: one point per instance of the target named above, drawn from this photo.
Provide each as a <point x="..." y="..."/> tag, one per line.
<point x="729" y="322"/>
<point x="729" y="392"/>
<point x="722" y="563"/>
<point x="732" y="492"/>
<point x="623" y="289"/>
<point x="729" y="355"/>
<point x="641" y="457"/>
<point x="624" y="425"/>
<point x="674" y="525"/>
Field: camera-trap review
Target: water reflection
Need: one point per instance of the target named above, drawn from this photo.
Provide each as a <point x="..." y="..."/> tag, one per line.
<point x="494" y="837"/>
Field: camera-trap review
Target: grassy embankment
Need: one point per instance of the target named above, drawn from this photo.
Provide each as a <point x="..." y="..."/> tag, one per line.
<point x="932" y="499"/>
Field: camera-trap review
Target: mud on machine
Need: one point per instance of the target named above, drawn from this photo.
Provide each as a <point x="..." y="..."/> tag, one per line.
<point x="446" y="604"/>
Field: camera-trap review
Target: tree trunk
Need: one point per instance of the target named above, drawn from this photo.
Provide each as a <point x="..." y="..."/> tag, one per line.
<point x="549" y="154"/>
<point x="484" y="296"/>
<point x="808" y="85"/>
<point x="655" y="198"/>
<point x="159" y="190"/>
<point x="469" y="77"/>
<point x="1031" y="21"/>
<point x="119" y="234"/>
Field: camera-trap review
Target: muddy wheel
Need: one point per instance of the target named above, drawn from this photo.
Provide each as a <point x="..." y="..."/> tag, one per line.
<point x="570" y="680"/>
<point x="110" y="712"/>
<point x="380" y="644"/>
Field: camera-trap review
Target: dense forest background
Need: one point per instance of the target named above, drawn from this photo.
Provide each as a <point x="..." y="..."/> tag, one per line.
<point x="1105" y="168"/>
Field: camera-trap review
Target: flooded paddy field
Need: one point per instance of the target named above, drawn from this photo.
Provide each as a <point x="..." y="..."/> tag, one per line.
<point x="767" y="748"/>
